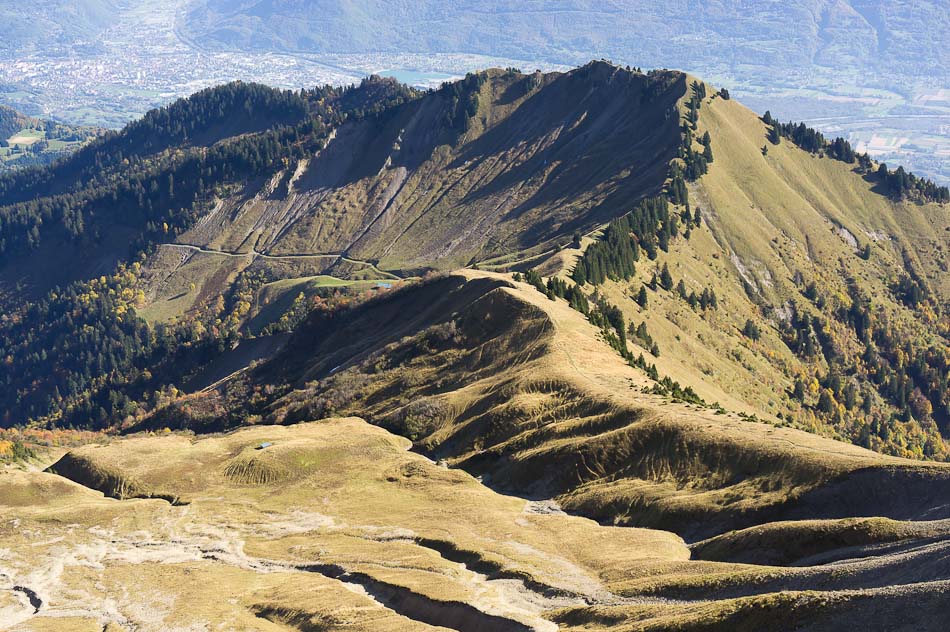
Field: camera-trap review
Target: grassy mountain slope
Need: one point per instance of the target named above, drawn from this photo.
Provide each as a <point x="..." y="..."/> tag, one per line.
<point x="563" y="412"/>
<point x="863" y="68"/>
<point x="494" y="165"/>
<point x="501" y="381"/>
<point x="312" y="532"/>
<point x="774" y="225"/>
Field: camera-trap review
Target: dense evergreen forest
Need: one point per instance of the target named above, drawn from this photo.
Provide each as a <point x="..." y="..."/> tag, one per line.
<point x="80" y="355"/>
<point x="11" y="121"/>
<point x="134" y="178"/>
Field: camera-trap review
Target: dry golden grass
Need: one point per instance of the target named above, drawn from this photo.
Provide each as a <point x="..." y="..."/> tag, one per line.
<point x="357" y="533"/>
<point x="339" y="526"/>
<point x="349" y="497"/>
<point x="767" y="220"/>
<point x="522" y="392"/>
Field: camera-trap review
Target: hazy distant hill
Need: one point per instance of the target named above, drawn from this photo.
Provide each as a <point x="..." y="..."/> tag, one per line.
<point x="45" y="25"/>
<point x="895" y="41"/>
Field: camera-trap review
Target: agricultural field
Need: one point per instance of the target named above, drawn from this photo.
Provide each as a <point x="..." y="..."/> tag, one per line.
<point x="41" y="144"/>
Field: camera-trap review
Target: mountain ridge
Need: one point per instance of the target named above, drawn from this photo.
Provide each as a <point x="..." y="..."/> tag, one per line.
<point x="331" y="498"/>
<point x="497" y="379"/>
<point x="597" y="350"/>
<point x="376" y="182"/>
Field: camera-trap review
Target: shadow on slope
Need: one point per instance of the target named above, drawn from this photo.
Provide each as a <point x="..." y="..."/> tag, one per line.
<point x="500" y="161"/>
<point x="493" y="377"/>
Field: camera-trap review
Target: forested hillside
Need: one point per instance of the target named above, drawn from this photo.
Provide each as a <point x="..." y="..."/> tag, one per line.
<point x="153" y="176"/>
<point x="10" y="121"/>
<point x="75" y="351"/>
<point x="740" y="263"/>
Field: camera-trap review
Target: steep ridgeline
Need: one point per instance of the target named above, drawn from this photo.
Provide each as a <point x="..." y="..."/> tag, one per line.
<point x="498" y="165"/>
<point x="520" y="389"/>
<point x="338" y="524"/>
<point x="785" y="275"/>
<point x="742" y="264"/>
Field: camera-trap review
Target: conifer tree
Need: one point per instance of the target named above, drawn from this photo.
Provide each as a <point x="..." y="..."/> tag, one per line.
<point x="681" y="289"/>
<point x="666" y="279"/>
<point x="751" y="330"/>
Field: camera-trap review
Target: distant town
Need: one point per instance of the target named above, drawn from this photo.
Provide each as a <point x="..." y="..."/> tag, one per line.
<point x="83" y="85"/>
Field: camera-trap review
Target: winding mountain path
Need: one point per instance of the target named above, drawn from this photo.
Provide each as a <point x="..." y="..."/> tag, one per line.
<point x="263" y="255"/>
